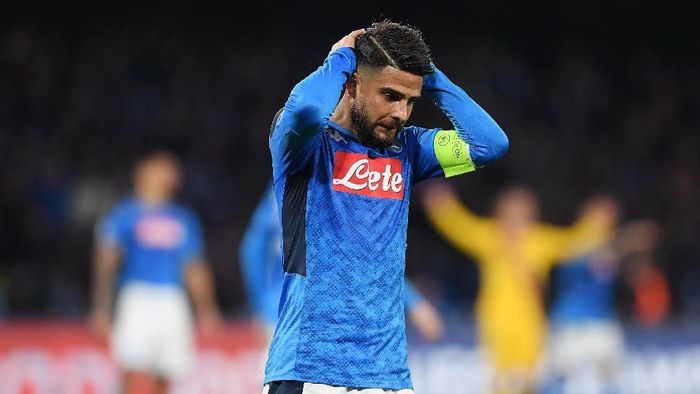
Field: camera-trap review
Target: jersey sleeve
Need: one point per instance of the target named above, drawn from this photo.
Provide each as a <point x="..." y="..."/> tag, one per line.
<point x="463" y="229"/>
<point x="411" y="296"/>
<point x="475" y="141"/>
<point x="440" y="153"/>
<point x="295" y="132"/>
<point x="254" y="251"/>
<point x="192" y="249"/>
<point x="111" y="230"/>
<point x="563" y="244"/>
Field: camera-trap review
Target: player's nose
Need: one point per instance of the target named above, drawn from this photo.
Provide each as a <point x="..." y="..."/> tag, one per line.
<point x="400" y="112"/>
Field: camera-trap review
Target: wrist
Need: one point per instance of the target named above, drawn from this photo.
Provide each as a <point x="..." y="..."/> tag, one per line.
<point x="433" y="80"/>
<point x="348" y="55"/>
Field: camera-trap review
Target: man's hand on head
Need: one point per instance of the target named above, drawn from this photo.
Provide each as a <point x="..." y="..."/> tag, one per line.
<point x="347" y="41"/>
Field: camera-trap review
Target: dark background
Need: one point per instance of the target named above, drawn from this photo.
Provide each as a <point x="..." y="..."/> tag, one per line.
<point x="595" y="96"/>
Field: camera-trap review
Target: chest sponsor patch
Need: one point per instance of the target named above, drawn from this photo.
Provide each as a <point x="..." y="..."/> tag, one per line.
<point x="358" y="174"/>
<point x="159" y="232"/>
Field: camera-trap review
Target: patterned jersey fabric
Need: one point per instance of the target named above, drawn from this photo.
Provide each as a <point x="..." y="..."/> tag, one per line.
<point x="344" y="211"/>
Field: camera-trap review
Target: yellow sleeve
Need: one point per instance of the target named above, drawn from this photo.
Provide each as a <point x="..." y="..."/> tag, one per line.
<point x="457" y="224"/>
<point x="561" y="244"/>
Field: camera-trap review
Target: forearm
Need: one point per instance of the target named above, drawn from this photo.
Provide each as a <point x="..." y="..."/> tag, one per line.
<point x="487" y="141"/>
<point x="313" y="100"/>
<point x="105" y="267"/>
<point x="454" y="221"/>
<point x="585" y="236"/>
<point x="201" y="287"/>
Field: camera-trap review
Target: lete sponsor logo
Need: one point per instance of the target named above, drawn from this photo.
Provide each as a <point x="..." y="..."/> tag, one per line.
<point x="159" y="232"/>
<point x="356" y="173"/>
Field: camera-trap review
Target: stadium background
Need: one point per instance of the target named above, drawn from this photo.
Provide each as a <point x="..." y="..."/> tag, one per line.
<point x="595" y="97"/>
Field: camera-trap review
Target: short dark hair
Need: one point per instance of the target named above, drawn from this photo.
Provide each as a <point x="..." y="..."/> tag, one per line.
<point x="388" y="43"/>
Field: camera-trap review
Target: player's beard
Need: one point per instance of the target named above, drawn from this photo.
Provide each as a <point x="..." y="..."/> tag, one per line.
<point x="365" y="128"/>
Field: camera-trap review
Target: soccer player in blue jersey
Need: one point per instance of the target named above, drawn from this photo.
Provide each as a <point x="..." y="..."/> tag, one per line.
<point x="586" y="340"/>
<point x="261" y="265"/>
<point x="343" y="166"/>
<point x="149" y="250"/>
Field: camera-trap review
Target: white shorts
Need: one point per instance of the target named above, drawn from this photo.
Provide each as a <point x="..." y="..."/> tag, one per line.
<point x="596" y="344"/>
<point x="314" y="388"/>
<point x="153" y="330"/>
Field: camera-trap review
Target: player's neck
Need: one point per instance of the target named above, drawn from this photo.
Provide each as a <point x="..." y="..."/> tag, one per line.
<point x="341" y="115"/>
<point x="152" y="200"/>
<point x="514" y="231"/>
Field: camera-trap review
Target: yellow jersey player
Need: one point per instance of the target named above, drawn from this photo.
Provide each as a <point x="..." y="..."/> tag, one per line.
<point x="514" y="252"/>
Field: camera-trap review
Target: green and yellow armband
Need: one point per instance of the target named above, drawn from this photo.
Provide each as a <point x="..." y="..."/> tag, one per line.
<point x="453" y="153"/>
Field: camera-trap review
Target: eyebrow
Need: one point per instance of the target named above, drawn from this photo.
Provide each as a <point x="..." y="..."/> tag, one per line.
<point x="396" y="92"/>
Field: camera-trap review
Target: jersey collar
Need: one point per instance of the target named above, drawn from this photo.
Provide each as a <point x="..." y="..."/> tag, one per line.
<point x="382" y="152"/>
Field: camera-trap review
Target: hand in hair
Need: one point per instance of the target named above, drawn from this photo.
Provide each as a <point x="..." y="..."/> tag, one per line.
<point x="347" y="41"/>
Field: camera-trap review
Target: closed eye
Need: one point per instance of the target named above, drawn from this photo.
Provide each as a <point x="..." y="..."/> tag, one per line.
<point x="392" y="95"/>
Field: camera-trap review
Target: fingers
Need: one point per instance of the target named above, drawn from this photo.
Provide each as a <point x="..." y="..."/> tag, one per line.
<point x="354" y="34"/>
<point x="348" y="41"/>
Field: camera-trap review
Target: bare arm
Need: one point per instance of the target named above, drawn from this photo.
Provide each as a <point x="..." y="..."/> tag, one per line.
<point x="105" y="265"/>
<point x="452" y="219"/>
<point x="426" y="320"/>
<point x="201" y="287"/>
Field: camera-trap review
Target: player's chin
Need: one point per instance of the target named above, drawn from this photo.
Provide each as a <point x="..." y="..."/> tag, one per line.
<point x="386" y="136"/>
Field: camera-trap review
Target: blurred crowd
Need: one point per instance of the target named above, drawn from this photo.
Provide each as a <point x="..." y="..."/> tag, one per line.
<point x="77" y="109"/>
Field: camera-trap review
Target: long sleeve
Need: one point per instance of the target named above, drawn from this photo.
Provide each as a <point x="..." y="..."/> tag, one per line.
<point x="307" y="110"/>
<point x="487" y="141"/>
<point x="456" y="223"/>
<point x="476" y="140"/>
<point x="566" y="243"/>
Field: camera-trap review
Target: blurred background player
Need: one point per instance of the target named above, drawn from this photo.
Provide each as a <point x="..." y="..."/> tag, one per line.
<point x="515" y="253"/>
<point x="149" y="250"/>
<point x="586" y="341"/>
<point x="261" y="266"/>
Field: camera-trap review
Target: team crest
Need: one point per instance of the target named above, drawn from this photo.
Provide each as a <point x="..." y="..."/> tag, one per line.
<point x="336" y="136"/>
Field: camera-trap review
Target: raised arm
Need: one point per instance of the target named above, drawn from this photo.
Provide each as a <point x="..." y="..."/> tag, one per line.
<point x="592" y="230"/>
<point x="309" y="106"/>
<point x="453" y="220"/>
<point x="476" y="140"/>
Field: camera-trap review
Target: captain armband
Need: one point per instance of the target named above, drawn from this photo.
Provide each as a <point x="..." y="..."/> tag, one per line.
<point x="452" y="153"/>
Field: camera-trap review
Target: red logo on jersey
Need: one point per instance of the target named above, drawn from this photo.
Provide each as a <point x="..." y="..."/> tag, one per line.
<point x="159" y="232"/>
<point x="356" y="173"/>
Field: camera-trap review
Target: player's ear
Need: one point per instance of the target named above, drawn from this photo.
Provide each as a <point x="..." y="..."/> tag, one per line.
<point x="351" y="84"/>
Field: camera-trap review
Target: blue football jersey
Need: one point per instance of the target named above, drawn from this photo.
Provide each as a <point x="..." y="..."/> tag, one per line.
<point x="344" y="211"/>
<point x="261" y="263"/>
<point x="584" y="294"/>
<point x="156" y="242"/>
